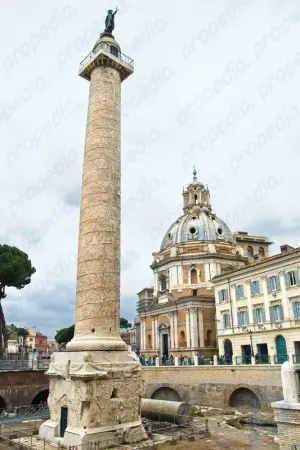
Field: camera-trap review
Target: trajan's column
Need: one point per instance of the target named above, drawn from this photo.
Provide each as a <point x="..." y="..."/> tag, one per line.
<point x="95" y="386"/>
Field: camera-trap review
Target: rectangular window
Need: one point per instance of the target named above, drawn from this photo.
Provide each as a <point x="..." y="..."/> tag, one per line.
<point x="243" y="318"/>
<point x="226" y="321"/>
<point x="296" y="309"/>
<point x="239" y="291"/>
<point x="223" y="295"/>
<point x="291" y="278"/>
<point x="273" y="283"/>
<point x="195" y="292"/>
<point x="276" y="313"/>
<point x="254" y="286"/>
<point x="259" y="315"/>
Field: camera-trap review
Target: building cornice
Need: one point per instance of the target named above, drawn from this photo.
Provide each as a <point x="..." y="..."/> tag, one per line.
<point x="198" y="256"/>
<point x="258" y="268"/>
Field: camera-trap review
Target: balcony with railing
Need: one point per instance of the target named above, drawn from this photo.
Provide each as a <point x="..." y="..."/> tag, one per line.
<point x="108" y="52"/>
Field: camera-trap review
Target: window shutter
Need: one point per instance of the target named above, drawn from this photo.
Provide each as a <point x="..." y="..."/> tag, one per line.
<point x="263" y="315"/>
<point x="220" y="298"/>
<point x="258" y="287"/>
<point x="247" y="317"/>
<point x="271" y="314"/>
<point x="252" y="288"/>
<point x="239" y="319"/>
<point x="281" y="312"/>
<point x="295" y="310"/>
<point x="287" y="280"/>
<point x="254" y="316"/>
<point x="269" y="286"/>
<point x="297" y="276"/>
<point x="242" y="291"/>
<point x="277" y="282"/>
<point x="236" y="292"/>
<point x="225" y="294"/>
<point x="224" y="321"/>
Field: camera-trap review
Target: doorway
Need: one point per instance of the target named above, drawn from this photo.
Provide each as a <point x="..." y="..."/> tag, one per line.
<point x="262" y="354"/>
<point x="281" y="350"/>
<point x="246" y="354"/>
<point x="63" y="420"/>
<point x="165" y="345"/>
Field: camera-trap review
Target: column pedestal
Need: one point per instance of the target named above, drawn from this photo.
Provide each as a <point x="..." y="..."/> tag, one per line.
<point x="101" y="393"/>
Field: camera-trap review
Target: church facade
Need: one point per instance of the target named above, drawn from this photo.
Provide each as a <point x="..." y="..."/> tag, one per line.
<point x="176" y="317"/>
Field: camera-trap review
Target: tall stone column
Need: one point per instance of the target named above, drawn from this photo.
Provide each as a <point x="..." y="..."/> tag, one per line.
<point x="96" y="386"/>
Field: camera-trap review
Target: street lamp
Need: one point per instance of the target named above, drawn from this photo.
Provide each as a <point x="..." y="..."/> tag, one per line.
<point x="251" y="343"/>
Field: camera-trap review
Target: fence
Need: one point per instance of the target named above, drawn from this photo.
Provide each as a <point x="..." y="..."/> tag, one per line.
<point x="155" y="430"/>
<point x="9" y="364"/>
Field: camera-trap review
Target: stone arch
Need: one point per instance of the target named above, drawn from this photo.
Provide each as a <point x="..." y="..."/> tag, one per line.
<point x="41" y="397"/>
<point x="3" y="404"/>
<point x="166" y="393"/>
<point x="243" y="397"/>
<point x="180" y="391"/>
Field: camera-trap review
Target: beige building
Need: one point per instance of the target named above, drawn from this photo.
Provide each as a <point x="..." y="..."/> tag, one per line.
<point x="177" y="315"/>
<point x="258" y="309"/>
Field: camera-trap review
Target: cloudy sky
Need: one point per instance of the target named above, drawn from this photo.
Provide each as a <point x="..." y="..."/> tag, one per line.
<point x="216" y="85"/>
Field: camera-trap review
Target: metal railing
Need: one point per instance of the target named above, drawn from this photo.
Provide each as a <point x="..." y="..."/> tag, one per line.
<point x="159" y="426"/>
<point x="280" y="359"/>
<point x="296" y="359"/>
<point x="262" y="359"/>
<point x="240" y="360"/>
<point x="18" y="364"/>
<point x="43" y="364"/>
<point x="112" y="49"/>
<point x="20" y="413"/>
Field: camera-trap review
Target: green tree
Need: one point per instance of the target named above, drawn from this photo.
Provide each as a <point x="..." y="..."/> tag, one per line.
<point x="16" y="271"/>
<point x="65" y="335"/>
<point x="124" y="324"/>
<point x="14" y="332"/>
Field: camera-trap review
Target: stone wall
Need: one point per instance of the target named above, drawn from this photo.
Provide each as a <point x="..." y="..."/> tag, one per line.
<point x="20" y="388"/>
<point x="216" y="385"/>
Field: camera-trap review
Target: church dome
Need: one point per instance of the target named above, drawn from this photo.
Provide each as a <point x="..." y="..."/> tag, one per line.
<point x="197" y="228"/>
<point x="199" y="223"/>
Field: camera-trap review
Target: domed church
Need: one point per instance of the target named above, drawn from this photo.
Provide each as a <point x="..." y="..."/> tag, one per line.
<point x="177" y="316"/>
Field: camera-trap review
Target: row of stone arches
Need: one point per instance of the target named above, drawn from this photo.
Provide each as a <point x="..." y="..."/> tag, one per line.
<point x="240" y="398"/>
<point x="41" y="397"/>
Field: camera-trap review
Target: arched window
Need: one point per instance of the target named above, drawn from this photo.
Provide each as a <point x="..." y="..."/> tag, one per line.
<point x="196" y="198"/>
<point x="194" y="276"/>
<point x="163" y="283"/>
<point x="250" y="251"/>
<point x="261" y="251"/>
